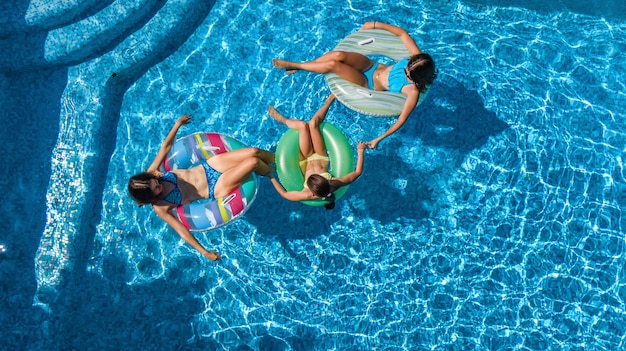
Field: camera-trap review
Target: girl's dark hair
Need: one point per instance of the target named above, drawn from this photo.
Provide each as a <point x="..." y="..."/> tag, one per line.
<point x="139" y="188"/>
<point x="320" y="186"/>
<point x="331" y="204"/>
<point x="421" y="68"/>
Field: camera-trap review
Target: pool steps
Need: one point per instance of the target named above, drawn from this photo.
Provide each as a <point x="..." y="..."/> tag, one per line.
<point x="49" y="15"/>
<point x="88" y="38"/>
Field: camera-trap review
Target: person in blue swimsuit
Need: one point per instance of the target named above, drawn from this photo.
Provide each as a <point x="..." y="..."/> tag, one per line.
<point x="319" y="183"/>
<point x="214" y="179"/>
<point x="411" y="76"/>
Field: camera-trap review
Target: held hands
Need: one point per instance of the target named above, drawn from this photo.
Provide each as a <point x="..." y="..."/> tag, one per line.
<point x="361" y="147"/>
<point x="372" y="144"/>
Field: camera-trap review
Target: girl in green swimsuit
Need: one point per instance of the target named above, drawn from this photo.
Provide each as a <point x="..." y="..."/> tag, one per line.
<point x="410" y="77"/>
<point x="319" y="183"/>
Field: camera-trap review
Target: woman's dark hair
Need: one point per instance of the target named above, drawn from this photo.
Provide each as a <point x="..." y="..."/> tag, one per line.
<point x="139" y="188"/>
<point x="320" y="186"/>
<point x="421" y="68"/>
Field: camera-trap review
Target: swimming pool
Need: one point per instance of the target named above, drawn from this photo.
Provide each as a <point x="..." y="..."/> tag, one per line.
<point x="491" y="221"/>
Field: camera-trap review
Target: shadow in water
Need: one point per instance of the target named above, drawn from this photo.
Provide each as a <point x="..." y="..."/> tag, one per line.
<point x="454" y="118"/>
<point x="111" y="314"/>
<point x="271" y="214"/>
<point x="30" y="100"/>
<point x="383" y="200"/>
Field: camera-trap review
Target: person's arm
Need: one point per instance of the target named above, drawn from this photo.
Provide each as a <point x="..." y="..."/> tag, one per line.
<point x="400" y="32"/>
<point x="167" y="216"/>
<point x="412" y="97"/>
<point x="167" y="143"/>
<point x="352" y="176"/>
<point x="290" y="195"/>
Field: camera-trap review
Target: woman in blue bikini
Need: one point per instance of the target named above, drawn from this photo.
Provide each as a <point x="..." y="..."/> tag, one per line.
<point x="216" y="178"/>
<point x="319" y="183"/>
<point x="411" y="76"/>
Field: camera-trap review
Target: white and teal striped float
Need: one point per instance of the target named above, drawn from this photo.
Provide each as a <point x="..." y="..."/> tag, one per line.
<point x="358" y="98"/>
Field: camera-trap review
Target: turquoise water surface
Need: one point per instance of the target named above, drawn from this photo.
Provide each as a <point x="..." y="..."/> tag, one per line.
<point x="492" y="220"/>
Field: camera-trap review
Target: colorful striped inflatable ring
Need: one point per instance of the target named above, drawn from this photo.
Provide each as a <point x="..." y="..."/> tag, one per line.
<point x="363" y="100"/>
<point x="190" y="151"/>
<point x="339" y="151"/>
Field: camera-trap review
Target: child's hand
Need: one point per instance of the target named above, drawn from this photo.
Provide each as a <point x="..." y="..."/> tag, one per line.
<point x="184" y="119"/>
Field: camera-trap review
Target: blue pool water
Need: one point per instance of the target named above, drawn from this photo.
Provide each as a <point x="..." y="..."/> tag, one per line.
<point x="492" y="221"/>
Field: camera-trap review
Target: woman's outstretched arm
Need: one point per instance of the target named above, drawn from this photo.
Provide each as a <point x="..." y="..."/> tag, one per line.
<point x="352" y="176"/>
<point x="167" y="143"/>
<point x="400" y="32"/>
<point x="166" y="215"/>
<point x="412" y="97"/>
<point x="290" y="195"/>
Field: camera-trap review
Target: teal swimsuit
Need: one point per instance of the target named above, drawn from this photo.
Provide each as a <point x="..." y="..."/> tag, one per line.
<point x="369" y="75"/>
<point x="397" y="76"/>
<point x="175" y="197"/>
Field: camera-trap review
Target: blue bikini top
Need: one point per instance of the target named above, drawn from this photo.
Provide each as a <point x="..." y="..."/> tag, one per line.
<point x="174" y="196"/>
<point x="397" y="76"/>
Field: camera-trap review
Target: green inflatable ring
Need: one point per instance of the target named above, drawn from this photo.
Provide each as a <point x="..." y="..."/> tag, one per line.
<point x="339" y="151"/>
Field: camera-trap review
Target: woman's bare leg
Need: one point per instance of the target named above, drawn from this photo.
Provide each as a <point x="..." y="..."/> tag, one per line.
<point x="226" y="161"/>
<point x="353" y="59"/>
<point x="347" y="65"/>
<point x="235" y="176"/>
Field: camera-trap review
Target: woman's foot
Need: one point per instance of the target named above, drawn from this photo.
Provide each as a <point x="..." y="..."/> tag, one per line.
<point x="286" y="65"/>
<point x="316" y="120"/>
<point x="271" y="169"/>
<point x="276" y="115"/>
